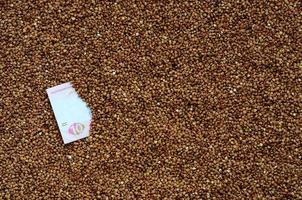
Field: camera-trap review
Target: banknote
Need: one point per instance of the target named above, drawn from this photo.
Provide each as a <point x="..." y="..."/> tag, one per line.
<point x="72" y="114"/>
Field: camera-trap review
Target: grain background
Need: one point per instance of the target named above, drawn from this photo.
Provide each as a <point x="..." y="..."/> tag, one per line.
<point x="190" y="99"/>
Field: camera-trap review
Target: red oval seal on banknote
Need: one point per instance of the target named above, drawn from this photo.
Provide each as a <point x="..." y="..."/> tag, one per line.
<point x="76" y="128"/>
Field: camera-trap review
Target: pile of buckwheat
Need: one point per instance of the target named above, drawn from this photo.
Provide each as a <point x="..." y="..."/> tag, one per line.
<point x="190" y="99"/>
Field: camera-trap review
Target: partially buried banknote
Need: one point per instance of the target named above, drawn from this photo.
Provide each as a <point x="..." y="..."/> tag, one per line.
<point x="72" y="113"/>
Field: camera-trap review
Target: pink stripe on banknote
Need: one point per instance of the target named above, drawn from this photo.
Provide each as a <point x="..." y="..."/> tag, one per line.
<point x="60" y="90"/>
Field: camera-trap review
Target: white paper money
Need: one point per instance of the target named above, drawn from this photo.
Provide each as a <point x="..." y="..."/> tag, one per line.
<point x="72" y="113"/>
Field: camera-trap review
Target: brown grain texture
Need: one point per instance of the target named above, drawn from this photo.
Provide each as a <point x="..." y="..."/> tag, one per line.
<point x="190" y="99"/>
